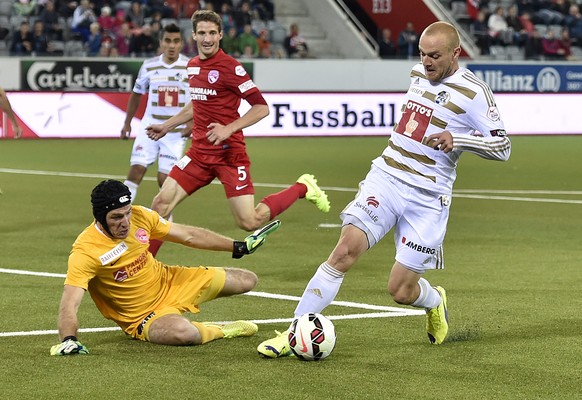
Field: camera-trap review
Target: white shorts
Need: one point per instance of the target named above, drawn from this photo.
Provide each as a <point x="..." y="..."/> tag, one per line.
<point x="168" y="150"/>
<point x="419" y="218"/>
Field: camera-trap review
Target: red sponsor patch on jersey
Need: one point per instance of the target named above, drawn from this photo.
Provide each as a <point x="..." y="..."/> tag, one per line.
<point x="168" y="96"/>
<point x="142" y="236"/>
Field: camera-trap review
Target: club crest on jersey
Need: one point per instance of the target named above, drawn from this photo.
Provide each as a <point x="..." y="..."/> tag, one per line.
<point x="142" y="236"/>
<point x="442" y="98"/>
<point x="493" y="114"/>
<point x="239" y="70"/>
<point x="213" y="76"/>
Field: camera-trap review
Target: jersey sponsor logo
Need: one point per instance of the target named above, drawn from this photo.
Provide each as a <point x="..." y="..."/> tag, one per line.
<point x="421" y="249"/>
<point x="415" y="120"/>
<point x="368" y="211"/>
<point x="240" y="70"/>
<point x="493" y="114"/>
<point x="213" y="76"/>
<point x="198" y="93"/>
<point x="184" y="161"/>
<point x="372" y="201"/>
<point x="248" y="85"/>
<point x="498" y="132"/>
<point x="442" y="98"/>
<point x="142" y="236"/>
<point x="193" y="71"/>
<point x="168" y="96"/>
<point x="120" y="275"/>
<point x="136" y="265"/>
<point x="113" y="253"/>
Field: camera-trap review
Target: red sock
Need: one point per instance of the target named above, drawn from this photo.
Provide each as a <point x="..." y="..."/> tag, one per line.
<point x="155" y="245"/>
<point x="280" y="201"/>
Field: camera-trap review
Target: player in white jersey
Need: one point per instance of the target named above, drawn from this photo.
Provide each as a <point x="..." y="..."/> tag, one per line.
<point x="447" y="110"/>
<point x="165" y="81"/>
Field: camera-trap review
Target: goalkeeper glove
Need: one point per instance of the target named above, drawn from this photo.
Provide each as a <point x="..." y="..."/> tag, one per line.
<point x="254" y="240"/>
<point x="70" y="345"/>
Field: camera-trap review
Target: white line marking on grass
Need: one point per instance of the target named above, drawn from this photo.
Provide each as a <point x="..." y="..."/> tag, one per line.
<point x="329" y="225"/>
<point x="460" y="193"/>
<point x="388" y="311"/>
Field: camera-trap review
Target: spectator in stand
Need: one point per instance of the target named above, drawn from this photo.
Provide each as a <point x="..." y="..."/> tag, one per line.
<point x="527" y="23"/>
<point x="230" y="43"/>
<point x="157" y="34"/>
<point x="554" y="48"/>
<point x="107" y="48"/>
<point x="136" y="14"/>
<point x="106" y="20"/>
<point x="386" y="46"/>
<point x="480" y="32"/>
<point x="22" y="41"/>
<point x="93" y="43"/>
<point x="39" y="39"/>
<point x="24" y="8"/>
<point x="408" y="42"/>
<point x="264" y="44"/>
<point x="550" y="12"/>
<point x="248" y="39"/>
<point x="50" y="18"/>
<point x="120" y="19"/>
<point x="160" y="7"/>
<point x="514" y="23"/>
<point x="242" y="16"/>
<point x="83" y="17"/>
<point x="123" y="40"/>
<point x="566" y="44"/>
<point x="295" y="44"/>
<point x="573" y="22"/>
<point x="226" y="15"/>
<point x="143" y="44"/>
<point x="66" y="9"/>
<point x="265" y="9"/>
<point x="498" y="29"/>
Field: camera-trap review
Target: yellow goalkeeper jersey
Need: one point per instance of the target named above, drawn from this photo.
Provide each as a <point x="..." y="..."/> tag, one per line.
<point x="122" y="276"/>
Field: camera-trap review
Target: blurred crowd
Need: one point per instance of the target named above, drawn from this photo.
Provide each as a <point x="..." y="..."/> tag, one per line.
<point x="544" y="29"/>
<point x="112" y="28"/>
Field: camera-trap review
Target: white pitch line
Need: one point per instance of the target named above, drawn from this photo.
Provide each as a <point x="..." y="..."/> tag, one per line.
<point x="459" y="193"/>
<point x="388" y="311"/>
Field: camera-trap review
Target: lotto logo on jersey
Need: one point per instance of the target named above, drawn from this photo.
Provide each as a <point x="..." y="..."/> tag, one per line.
<point x="415" y="120"/>
<point x="168" y="96"/>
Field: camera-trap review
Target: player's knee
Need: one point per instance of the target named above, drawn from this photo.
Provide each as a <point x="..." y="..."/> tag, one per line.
<point x="184" y="335"/>
<point x="248" y="224"/>
<point x="248" y="281"/>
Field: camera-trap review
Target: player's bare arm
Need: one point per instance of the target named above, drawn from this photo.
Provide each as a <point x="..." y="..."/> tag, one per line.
<point x="68" y="324"/>
<point x="441" y="141"/>
<point x="132" y="105"/>
<point x="158" y="131"/>
<point x="198" y="238"/>
<point x="219" y="133"/>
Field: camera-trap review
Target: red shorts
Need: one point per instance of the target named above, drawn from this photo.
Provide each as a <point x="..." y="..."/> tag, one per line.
<point x="232" y="168"/>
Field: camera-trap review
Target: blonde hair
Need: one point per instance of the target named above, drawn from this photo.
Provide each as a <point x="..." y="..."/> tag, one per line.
<point x="444" y="28"/>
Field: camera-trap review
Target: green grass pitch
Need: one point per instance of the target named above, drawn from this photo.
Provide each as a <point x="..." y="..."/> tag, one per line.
<point x="513" y="276"/>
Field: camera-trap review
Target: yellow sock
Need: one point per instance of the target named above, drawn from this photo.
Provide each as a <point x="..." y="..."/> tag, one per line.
<point x="208" y="333"/>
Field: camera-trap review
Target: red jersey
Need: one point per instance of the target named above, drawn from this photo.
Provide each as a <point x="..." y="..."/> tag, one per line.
<point x="217" y="86"/>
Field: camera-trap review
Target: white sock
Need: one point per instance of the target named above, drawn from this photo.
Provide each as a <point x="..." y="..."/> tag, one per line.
<point x="429" y="297"/>
<point x="321" y="290"/>
<point x="132" y="189"/>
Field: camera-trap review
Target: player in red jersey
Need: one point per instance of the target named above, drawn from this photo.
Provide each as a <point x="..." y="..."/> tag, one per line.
<point x="218" y="82"/>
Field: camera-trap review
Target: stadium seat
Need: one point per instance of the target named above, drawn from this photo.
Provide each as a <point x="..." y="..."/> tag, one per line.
<point x="498" y="53"/>
<point x="5" y="8"/>
<point x="514" y="53"/>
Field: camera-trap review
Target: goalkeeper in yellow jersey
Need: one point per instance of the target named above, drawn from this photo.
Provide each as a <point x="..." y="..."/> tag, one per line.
<point x="146" y="298"/>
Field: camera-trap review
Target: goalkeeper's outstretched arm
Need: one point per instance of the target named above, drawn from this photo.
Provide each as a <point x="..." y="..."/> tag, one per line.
<point x="68" y="323"/>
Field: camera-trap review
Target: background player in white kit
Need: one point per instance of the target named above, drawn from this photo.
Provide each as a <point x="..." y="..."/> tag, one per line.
<point x="447" y="111"/>
<point x="165" y="81"/>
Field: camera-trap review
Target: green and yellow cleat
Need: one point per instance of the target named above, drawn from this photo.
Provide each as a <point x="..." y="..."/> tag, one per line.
<point x="314" y="193"/>
<point x="437" y="320"/>
<point x="235" y="329"/>
<point x="276" y="347"/>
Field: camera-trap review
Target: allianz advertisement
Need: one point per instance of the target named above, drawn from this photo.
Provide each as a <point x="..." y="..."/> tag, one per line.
<point x="541" y="78"/>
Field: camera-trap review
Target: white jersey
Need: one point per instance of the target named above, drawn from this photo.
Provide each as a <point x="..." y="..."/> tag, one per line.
<point x="461" y="104"/>
<point x="167" y="89"/>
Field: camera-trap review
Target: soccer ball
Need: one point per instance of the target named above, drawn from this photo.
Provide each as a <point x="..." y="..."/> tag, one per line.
<point x="312" y="337"/>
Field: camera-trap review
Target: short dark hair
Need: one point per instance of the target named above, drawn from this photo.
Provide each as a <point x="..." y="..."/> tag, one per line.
<point x="206" y="16"/>
<point x="171" y="28"/>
